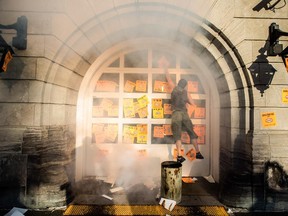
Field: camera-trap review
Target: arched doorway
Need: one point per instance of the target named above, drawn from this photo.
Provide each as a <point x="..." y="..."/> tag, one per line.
<point x="111" y="133"/>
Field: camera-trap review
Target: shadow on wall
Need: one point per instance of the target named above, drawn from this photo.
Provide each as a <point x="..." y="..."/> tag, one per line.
<point x="14" y="72"/>
<point x="262" y="72"/>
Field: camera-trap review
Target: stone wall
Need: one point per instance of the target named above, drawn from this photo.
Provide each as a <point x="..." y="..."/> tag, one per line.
<point x="40" y="89"/>
<point x="45" y="172"/>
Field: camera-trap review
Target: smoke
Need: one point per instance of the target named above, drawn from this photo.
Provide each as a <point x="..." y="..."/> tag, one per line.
<point x="123" y="166"/>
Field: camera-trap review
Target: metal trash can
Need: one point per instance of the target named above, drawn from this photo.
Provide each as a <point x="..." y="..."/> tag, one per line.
<point x="171" y="180"/>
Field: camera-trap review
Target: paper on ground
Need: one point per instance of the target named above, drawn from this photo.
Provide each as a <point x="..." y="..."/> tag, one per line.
<point x="16" y="212"/>
<point x="168" y="204"/>
<point x="107" y="197"/>
<point x="210" y="179"/>
<point x="113" y="190"/>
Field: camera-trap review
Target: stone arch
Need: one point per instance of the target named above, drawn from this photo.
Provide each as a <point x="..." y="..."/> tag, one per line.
<point x="202" y="37"/>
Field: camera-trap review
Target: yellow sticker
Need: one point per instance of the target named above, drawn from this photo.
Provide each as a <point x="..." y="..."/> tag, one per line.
<point x="285" y="95"/>
<point x="268" y="119"/>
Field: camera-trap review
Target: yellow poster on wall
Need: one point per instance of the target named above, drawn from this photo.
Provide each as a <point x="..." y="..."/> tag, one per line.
<point x="113" y="111"/>
<point x="129" y="86"/>
<point x="158" y="132"/>
<point x="111" y="132"/>
<point x="143" y="112"/>
<point x="167" y="130"/>
<point x="156" y="103"/>
<point x="167" y="109"/>
<point x="159" y="86"/>
<point x="143" y="101"/>
<point x="141" y="85"/>
<point x="106" y="86"/>
<point x="129" y="112"/>
<point x="141" y="134"/>
<point x="141" y="138"/>
<point x="199" y="112"/>
<point x="285" y="95"/>
<point x="158" y="113"/>
<point x="192" y="86"/>
<point x="268" y="119"/>
<point x="129" y="133"/>
<point x="106" y="104"/>
<point x="128" y="105"/>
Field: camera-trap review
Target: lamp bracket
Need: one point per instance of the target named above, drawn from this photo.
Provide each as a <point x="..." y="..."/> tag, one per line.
<point x="20" y="41"/>
<point x="274" y="34"/>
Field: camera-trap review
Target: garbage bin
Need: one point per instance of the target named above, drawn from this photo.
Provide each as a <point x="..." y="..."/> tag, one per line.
<point x="171" y="180"/>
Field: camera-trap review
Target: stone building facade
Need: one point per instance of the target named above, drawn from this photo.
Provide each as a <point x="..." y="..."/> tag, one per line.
<point x="46" y="90"/>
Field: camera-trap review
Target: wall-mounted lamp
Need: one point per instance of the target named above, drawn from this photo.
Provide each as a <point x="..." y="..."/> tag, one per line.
<point x="19" y="41"/>
<point x="262" y="72"/>
<point x="275" y="48"/>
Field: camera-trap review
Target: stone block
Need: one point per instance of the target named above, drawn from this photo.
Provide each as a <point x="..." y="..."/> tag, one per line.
<point x="221" y="14"/>
<point x="64" y="77"/>
<point x="11" y="147"/>
<point x="58" y="21"/>
<point x="35" y="46"/>
<point x="17" y="114"/>
<point x="83" y="47"/>
<point x="11" y="134"/>
<point x="38" y="6"/>
<point x="35" y="91"/>
<point x="51" y="47"/>
<point x="21" y="68"/>
<point x="42" y="68"/>
<point x="14" y="90"/>
<point x="245" y="49"/>
<point x="84" y="11"/>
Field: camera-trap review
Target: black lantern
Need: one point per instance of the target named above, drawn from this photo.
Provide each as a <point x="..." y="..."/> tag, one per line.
<point x="262" y="72"/>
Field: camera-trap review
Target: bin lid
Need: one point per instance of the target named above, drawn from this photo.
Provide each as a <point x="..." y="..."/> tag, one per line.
<point x="171" y="164"/>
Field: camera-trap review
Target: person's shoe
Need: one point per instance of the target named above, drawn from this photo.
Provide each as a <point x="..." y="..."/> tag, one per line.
<point x="199" y="155"/>
<point x="180" y="159"/>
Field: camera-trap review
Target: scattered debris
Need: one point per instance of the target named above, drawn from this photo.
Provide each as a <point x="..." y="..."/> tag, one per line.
<point x="209" y="178"/>
<point x="230" y="211"/>
<point x="107" y="197"/>
<point x="113" y="190"/>
<point x="16" y="212"/>
<point x="168" y="204"/>
<point x="189" y="179"/>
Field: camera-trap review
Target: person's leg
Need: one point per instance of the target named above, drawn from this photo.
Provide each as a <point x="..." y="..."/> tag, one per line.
<point x="176" y="130"/>
<point x="178" y="147"/>
<point x="188" y="126"/>
<point x="195" y="144"/>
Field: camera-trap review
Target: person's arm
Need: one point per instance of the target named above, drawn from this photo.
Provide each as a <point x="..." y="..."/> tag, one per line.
<point x="163" y="63"/>
<point x="168" y="78"/>
<point x="190" y="100"/>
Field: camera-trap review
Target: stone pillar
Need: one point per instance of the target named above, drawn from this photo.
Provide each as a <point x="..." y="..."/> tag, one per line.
<point x="48" y="156"/>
